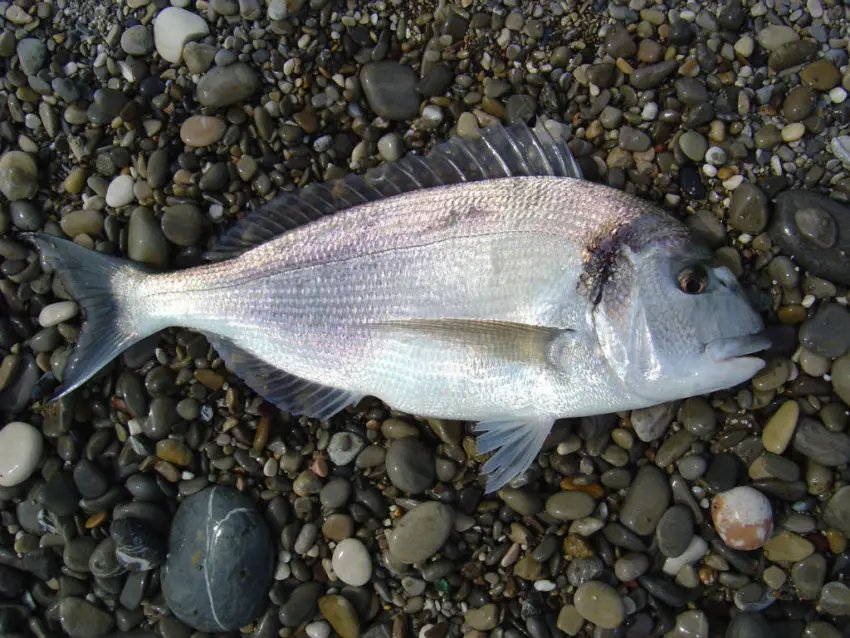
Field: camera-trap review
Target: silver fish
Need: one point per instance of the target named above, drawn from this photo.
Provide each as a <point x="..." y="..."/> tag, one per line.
<point x="488" y="282"/>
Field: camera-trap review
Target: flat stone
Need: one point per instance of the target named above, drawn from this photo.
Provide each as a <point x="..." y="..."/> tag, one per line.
<point x="220" y="561"/>
<point x="837" y="511"/>
<point x="788" y="547"/>
<point x="81" y="619"/>
<point x="421" y="532"/>
<point x="20" y="452"/>
<point x="821" y="75"/>
<point x="410" y="465"/>
<point x="79" y="222"/>
<point x="390" y="89"/>
<point x="145" y="241"/>
<point x="173" y="27"/>
<point x="748" y="625"/>
<point x="651" y="423"/>
<point x="483" y="618"/>
<point x="828" y="448"/>
<point x="182" y="224"/>
<point x="834" y="599"/>
<point x="815" y="231"/>
<point x="137" y="40"/>
<point x="18" y="175"/>
<point x="570" y="505"/>
<point x="600" y="604"/>
<point x="772" y="36"/>
<point x="31" y="54"/>
<point x="351" y="562"/>
<point x="202" y="130"/>
<point x="120" y="191"/>
<point x="223" y="86"/>
<point x="748" y="209"/>
<point x="779" y="429"/>
<point x="652" y="75"/>
<point x="791" y="54"/>
<point x="808" y="576"/>
<point x="341" y="615"/>
<point x="827" y="333"/>
<point x="646" y="501"/>
<point x="56" y="313"/>
<point x="302" y="604"/>
<point x="675" y="530"/>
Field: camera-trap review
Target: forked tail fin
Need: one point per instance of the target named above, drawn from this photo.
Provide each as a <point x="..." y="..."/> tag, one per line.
<point x="105" y="288"/>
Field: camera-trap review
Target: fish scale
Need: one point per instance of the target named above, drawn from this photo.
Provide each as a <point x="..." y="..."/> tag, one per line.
<point x="487" y="282"/>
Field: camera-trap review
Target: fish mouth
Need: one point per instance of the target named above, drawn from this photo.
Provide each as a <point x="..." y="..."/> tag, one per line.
<point x="737" y="347"/>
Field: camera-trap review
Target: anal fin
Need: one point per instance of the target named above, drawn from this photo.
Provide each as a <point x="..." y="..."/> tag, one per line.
<point x="517" y="440"/>
<point x="288" y="392"/>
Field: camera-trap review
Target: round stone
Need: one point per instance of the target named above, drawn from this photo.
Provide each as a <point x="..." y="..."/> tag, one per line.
<point x="55" y="313"/>
<point x="693" y="145"/>
<point x="173" y="28"/>
<point x="220" y="561"/>
<point x="182" y="224"/>
<point x="137" y="547"/>
<point x="421" y="532"/>
<point x="600" y="604"/>
<point x="410" y="465"/>
<point x="390" y="89"/>
<point x="779" y="429"/>
<point x="145" y="241"/>
<point x="817" y="226"/>
<point x="570" y="505"/>
<point x="79" y="222"/>
<point x="18" y="175"/>
<point x="351" y="562"/>
<point x="225" y="85"/>
<point x="799" y="104"/>
<point x="821" y="75"/>
<point x="748" y="209"/>
<point x="202" y="130"/>
<point x="20" y="451"/>
<point x="120" y="191"/>
<point x="742" y="517"/>
<point x="137" y="40"/>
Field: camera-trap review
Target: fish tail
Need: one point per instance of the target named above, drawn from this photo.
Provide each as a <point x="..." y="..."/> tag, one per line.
<point x="104" y="286"/>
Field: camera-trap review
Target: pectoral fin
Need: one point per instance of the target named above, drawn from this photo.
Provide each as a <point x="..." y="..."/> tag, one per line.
<point x="517" y="440"/>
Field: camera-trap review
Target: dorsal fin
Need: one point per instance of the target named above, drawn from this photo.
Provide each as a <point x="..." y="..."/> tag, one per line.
<point x="512" y="151"/>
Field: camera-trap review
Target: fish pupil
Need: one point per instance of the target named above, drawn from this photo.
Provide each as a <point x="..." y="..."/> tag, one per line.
<point x="693" y="280"/>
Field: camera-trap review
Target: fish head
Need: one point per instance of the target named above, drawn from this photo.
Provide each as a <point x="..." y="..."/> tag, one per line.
<point x="673" y="322"/>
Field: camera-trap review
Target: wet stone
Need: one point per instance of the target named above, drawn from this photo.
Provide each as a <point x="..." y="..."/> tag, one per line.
<point x="570" y="505"/>
<point x="390" y="89"/>
<point x="223" y="86"/>
<point x="646" y="501"/>
<point x="748" y="209"/>
<point x="410" y="465"/>
<point x="421" y="532"/>
<point x="652" y="75"/>
<point x="675" y="530"/>
<point x="815" y="231"/>
<point x="827" y="333"/>
<point x="808" y="576"/>
<point x="600" y="604"/>
<point x="103" y="562"/>
<point x="81" y="619"/>
<point x="748" y="625"/>
<point x="301" y="605"/>
<point x="820" y="75"/>
<point x="220" y="561"/>
<point x="837" y="510"/>
<point x="137" y="546"/>
<point x="791" y="54"/>
<point x="182" y="224"/>
<point x="813" y="440"/>
<point x="90" y="480"/>
<point x="799" y="104"/>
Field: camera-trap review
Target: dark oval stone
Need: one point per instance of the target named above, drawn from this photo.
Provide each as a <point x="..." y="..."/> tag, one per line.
<point x="137" y="546"/>
<point x="220" y="561"/>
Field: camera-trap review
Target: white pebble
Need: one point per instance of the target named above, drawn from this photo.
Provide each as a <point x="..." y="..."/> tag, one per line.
<point x="544" y="585"/>
<point x="733" y="182"/>
<point x="318" y="629"/>
<point x="709" y="170"/>
<point x="120" y="191"/>
<point x="282" y="572"/>
<point x="840" y="146"/>
<point x="745" y="46"/>
<point x="432" y="116"/>
<point x="650" y="112"/>
<point x="351" y="562"/>
<point x="838" y="95"/>
<point x="56" y="313"/>
<point x="173" y="28"/>
<point x="20" y="452"/>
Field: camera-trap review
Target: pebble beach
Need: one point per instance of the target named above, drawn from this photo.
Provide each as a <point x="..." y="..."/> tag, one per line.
<point x="165" y="498"/>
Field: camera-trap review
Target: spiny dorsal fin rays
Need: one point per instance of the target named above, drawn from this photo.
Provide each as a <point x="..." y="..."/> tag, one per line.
<point x="512" y="151"/>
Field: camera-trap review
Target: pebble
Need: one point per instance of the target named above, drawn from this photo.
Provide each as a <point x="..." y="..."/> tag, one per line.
<point x="742" y="517"/>
<point x="81" y="619"/>
<point x="410" y="465"/>
<point x="20" y="452"/>
<point x="600" y="604"/>
<point x="570" y="505"/>
<point x="651" y="423"/>
<point x="145" y="241"/>
<point x="650" y="76"/>
<point x="202" y="130"/>
<point x="341" y="615"/>
<point x="675" y="530"/>
<point x="137" y="41"/>
<point x="837" y="510"/>
<point x="827" y="333"/>
<point x="120" y="191"/>
<point x="834" y="599"/>
<point x="808" y="576"/>
<point x="693" y="145"/>
<point x="182" y="224"/>
<point x="748" y="210"/>
<point x="220" y="561"/>
<point x="227" y="85"/>
<point x="646" y="501"/>
<point x="772" y="36"/>
<point x="351" y="562"/>
<point x="484" y="618"/>
<point x="31" y="55"/>
<point x="18" y="176"/>
<point x="748" y="625"/>
<point x="56" y="313"/>
<point x="799" y="104"/>
<point x="691" y="623"/>
<point x="813" y="440"/>
<point x="779" y="429"/>
<point x="421" y="532"/>
<point x="390" y="89"/>
<point x="787" y="547"/>
<point x="815" y="231"/>
<point x="173" y="27"/>
<point x="344" y="447"/>
<point x="137" y="546"/>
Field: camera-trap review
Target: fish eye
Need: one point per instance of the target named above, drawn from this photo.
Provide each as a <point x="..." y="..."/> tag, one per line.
<point x="693" y="280"/>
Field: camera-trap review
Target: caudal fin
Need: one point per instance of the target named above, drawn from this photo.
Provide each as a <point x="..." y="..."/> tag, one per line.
<point x="103" y="285"/>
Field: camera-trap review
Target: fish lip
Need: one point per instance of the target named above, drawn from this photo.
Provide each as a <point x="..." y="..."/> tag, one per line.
<point x="730" y="348"/>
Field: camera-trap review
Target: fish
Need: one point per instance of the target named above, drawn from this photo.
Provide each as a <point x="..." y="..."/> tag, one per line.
<point x="487" y="281"/>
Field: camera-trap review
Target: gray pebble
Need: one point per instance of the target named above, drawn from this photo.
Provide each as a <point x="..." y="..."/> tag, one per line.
<point x="646" y="501"/>
<point x="390" y="90"/>
<point x="650" y="76"/>
<point x="223" y="86"/>
<point x="137" y="40"/>
<point x="827" y="333"/>
<point x="410" y="465"/>
<point x="81" y="619"/>
<point x="675" y="531"/>
<point x="813" y="440"/>
<point x="137" y="546"/>
<point x="344" y="447"/>
<point x="301" y="605"/>
<point x="31" y="54"/>
<point x="421" y="532"/>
